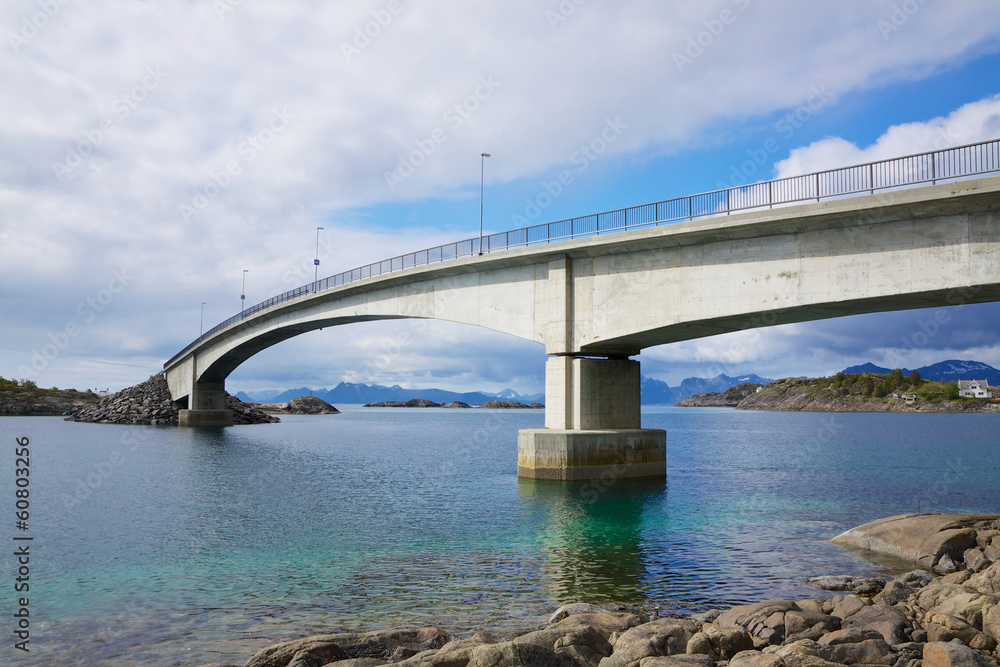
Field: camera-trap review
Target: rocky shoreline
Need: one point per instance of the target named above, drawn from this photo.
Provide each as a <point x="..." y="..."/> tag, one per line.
<point x="803" y="395"/>
<point x="945" y="616"/>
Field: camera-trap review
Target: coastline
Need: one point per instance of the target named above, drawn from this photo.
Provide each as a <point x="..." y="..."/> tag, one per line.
<point x="947" y="615"/>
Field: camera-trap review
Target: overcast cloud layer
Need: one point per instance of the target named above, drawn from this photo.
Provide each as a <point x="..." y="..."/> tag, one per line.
<point x="150" y="152"/>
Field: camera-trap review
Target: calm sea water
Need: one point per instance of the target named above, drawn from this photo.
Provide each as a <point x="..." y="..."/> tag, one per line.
<point x="168" y="546"/>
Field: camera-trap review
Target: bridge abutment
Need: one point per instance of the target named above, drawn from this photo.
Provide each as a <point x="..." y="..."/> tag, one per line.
<point x="592" y="424"/>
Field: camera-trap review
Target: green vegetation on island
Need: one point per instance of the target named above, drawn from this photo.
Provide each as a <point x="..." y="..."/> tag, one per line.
<point x="844" y="392"/>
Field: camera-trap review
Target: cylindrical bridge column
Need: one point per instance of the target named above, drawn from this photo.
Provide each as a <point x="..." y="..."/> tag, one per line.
<point x="592" y="424"/>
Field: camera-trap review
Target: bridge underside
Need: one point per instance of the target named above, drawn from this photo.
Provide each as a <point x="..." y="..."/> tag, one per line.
<point x="594" y="302"/>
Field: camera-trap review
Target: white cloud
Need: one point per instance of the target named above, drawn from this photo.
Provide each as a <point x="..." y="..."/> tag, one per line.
<point x="972" y="123"/>
<point x="259" y="120"/>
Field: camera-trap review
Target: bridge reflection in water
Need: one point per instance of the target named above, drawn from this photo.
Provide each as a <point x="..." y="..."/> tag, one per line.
<point x="593" y="543"/>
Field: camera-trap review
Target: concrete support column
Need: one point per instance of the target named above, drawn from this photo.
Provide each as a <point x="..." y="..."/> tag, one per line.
<point x="592" y="424"/>
<point x="206" y="404"/>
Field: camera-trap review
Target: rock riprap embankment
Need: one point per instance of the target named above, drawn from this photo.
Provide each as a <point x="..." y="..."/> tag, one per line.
<point x="149" y="403"/>
<point x="918" y="619"/>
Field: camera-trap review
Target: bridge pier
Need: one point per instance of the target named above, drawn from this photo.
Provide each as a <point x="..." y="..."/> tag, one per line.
<point x="592" y="424"/>
<point x="206" y="406"/>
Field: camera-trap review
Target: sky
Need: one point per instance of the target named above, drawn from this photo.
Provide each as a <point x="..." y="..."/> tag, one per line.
<point x="157" y="156"/>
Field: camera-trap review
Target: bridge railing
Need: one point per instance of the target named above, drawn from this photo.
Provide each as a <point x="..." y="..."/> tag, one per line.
<point x="947" y="164"/>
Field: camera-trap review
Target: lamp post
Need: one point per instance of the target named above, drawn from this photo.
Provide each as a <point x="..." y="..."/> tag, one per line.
<point x="316" y="261"/>
<point x="482" y="178"/>
<point x="201" y="327"/>
<point x="243" y="294"/>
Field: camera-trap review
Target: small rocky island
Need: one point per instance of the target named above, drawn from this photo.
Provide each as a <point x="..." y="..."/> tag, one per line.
<point x="944" y="614"/>
<point x="863" y="392"/>
<point x="303" y="405"/>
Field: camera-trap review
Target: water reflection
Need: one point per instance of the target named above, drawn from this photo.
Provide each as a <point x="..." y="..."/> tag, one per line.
<point x="592" y="537"/>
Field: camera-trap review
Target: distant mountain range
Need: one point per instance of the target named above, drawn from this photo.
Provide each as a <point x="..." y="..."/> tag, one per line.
<point x="951" y="371"/>
<point x="355" y="393"/>
<point x="653" y="392"/>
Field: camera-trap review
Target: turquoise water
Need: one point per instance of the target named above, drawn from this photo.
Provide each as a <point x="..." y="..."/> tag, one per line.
<point x="171" y="546"/>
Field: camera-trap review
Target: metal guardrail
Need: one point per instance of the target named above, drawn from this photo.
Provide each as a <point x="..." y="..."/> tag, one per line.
<point x="947" y="164"/>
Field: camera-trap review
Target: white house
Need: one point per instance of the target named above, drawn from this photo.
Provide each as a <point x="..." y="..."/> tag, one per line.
<point x="974" y="389"/>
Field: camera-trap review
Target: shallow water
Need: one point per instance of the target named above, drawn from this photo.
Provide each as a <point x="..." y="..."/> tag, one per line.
<point x="171" y="546"/>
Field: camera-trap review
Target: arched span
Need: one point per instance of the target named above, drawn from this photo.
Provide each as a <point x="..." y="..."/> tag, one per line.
<point x="615" y="295"/>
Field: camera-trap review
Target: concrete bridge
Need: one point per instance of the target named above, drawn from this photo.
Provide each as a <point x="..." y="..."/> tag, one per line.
<point x="594" y="302"/>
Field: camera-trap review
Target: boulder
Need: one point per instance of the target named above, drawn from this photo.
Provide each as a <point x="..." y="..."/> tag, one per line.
<point x="987" y="581"/>
<point x="890" y="622"/>
<point x="755" y="659"/>
<point x="976" y="560"/>
<point x="902" y="587"/>
<point x="952" y="654"/>
<point x="991" y="623"/>
<point x="509" y="654"/>
<point x="798" y="621"/>
<point x="719" y="643"/>
<point x="850" y="636"/>
<point x="677" y="661"/>
<point x="922" y="538"/>
<point x="665" y="636"/>
<point x="380" y="645"/>
<point x="849" y="606"/>
<point x="857" y="585"/>
<point x="456" y="653"/>
<point x="765" y="620"/>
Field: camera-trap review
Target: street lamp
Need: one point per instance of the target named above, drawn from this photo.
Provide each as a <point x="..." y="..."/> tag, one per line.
<point x="482" y="177"/>
<point x="316" y="261"/>
<point x="202" y="326"/>
<point x="243" y="294"/>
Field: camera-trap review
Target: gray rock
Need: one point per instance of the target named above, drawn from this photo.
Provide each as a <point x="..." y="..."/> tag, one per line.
<point x="867" y="652"/>
<point x="764" y="620"/>
<point x="849" y="606"/>
<point x="859" y="585"/>
<point x="987" y="581"/>
<point x="976" y="560"/>
<point x="890" y="622"/>
<point x="945" y="565"/>
<point x="707" y="616"/>
<point x="677" y="661"/>
<point x="850" y="636"/>
<point x="952" y="654"/>
<point x="509" y="654"/>
<point x="799" y="621"/>
<point x="575" y="608"/>
<point x="922" y="538"/>
<point x="755" y="659"/>
<point x="661" y="637"/>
